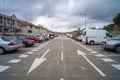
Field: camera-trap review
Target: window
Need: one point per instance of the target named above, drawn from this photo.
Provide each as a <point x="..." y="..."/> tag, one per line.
<point x="29" y="31"/>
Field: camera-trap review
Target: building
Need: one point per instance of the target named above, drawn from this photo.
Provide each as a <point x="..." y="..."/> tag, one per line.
<point x="9" y="25"/>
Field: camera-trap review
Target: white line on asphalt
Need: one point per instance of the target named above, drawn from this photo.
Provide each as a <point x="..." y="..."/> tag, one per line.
<point x="45" y="53"/>
<point x="62" y="47"/>
<point x="83" y="68"/>
<point x="95" y="67"/>
<point x="100" y="55"/>
<point x="107" y="60"/>
<point x="3" y="68"/>
<point x="29" y="52"/>
<point x="14" y="61"/>
<point x="61" y="79"/>
<point x="80" y="52"/>
<point x="94" y="52"/>
<point x="34" y="50"/>
<point x="62" y="56"/>
<point x="23" y="56"/>
<point x="117" y="66"/>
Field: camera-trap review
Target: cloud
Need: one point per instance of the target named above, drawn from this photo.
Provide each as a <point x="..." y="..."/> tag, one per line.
<point x="63" y="15"/>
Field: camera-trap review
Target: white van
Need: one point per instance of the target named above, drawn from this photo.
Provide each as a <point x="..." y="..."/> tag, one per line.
<point x="94" y="36"/>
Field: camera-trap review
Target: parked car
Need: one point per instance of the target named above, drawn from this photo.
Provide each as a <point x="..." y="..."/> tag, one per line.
<point x="79" y="38"/>
<point x="51" y="36"/>
<point x="75" y="37"/>
<point x="9" y="43"/>
<point x="31" y="37"/>
<point x="113" y="43"/>
<point x="26" y="42"/>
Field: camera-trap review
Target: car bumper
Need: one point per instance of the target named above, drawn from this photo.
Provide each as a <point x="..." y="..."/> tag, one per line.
<point x="11" y="48"/>
<point x="107" y="46"/>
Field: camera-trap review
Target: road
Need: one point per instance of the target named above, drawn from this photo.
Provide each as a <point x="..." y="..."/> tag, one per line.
<point x="60" y="59"/>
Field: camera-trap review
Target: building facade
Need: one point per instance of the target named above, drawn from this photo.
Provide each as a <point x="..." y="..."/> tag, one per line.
<point x="9" y="25"/>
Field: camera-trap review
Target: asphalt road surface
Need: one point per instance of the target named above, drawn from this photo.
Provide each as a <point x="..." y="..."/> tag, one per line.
<point x="60" y="59"/>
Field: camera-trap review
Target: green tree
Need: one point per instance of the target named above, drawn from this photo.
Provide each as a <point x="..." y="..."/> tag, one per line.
<point x="109" y="27"/>
<point x="78" y="31"/>
<point x="116" y="20"/>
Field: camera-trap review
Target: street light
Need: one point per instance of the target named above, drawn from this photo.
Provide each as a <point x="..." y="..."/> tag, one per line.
<point x="85" y="19"/>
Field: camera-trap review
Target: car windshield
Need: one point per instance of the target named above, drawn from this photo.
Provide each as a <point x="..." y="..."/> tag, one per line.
<point x="116" y="37"/>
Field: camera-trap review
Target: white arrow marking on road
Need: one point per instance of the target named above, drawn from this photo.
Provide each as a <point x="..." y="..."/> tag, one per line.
<point x="80" y="52"/>
<point x="95" y="67"/>
<point x="37" y="62"/>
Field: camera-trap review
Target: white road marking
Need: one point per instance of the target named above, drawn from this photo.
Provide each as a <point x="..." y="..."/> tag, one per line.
<point x="83" y="68"/>
<point x="29" y="52"/>
<point x="95" y="67"/>
<point x="62" y="47"/>
<point x="100" y="55"/>
<point x="45" y="53"/>
<point x="80" y="52"/>
<point x="34" y="50"/>
<point x="14" y="61"/>
<point x="23" y="56"/>
<point x="37" y="62"/>
<point x="94" y="52"/>
<point x="117" y="66"/>
<point x="3" y="68"/>
<point x="61" y="79"/>
<point x="107" y="60"/>
<point x="62" y="56"/>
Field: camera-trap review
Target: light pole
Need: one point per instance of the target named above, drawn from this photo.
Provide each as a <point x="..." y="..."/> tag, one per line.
<point x="85" y="14"/>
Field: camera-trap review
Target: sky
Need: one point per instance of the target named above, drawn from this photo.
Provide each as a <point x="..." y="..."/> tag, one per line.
<point x="63" y="15"/>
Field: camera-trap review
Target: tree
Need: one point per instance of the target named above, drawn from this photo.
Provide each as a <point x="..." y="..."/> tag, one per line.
<point x="78" y="31"/>
<point x="109" y="27"/>
<point x="116" y="20"/>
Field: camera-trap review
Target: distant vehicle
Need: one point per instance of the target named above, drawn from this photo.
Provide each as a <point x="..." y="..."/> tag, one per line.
<point x="93" y="36"/>
<point x="9" y="43"/>
<point x="80" y="38"/>
<point x="26" y="42"/>
<point x="113" y="43"/>
<point x="51" y="36"/>
<point x="75" y="37"/>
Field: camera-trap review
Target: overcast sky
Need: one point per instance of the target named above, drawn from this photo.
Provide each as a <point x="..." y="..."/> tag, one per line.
<point x="63" y="15"/>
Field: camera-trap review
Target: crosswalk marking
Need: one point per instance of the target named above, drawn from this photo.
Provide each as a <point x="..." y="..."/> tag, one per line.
<point x="23" y="56"/>
<point x="14" y="61"/>
<point x="117" y="66"/>
<point x="3" y="68"/>
<point x="107" y="60"/>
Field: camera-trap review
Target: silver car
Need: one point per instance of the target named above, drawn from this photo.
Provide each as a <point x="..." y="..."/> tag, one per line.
<point x="113" y="43"/>
<point x="9" y="43"/>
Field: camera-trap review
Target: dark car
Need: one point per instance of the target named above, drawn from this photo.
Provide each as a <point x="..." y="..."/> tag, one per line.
<point x="26" y="42"/>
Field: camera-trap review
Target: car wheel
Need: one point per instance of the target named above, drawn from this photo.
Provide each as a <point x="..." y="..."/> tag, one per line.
<point x="117" y="49"/>
<point x="2" y="51"/>
<point x="92" y="43"/>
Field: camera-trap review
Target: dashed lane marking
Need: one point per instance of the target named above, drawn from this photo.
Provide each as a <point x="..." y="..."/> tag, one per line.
<point x="61" y="79"/>
<point x="100" y="55"/>
<point x="14" y="61"/>
<point x="117" y="66"/>
<point x="34" y="50"/>
<point x="3" y="68"/>
<point x="62" y="56"/>
<point x="94" y="52"/>
<point x="23" y="56"/>
<point x="29" y="52"/>
<point x="107" y="60"/>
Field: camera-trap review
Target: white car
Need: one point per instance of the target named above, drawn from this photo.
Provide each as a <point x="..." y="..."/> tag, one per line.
<point x="9" y="43"/>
